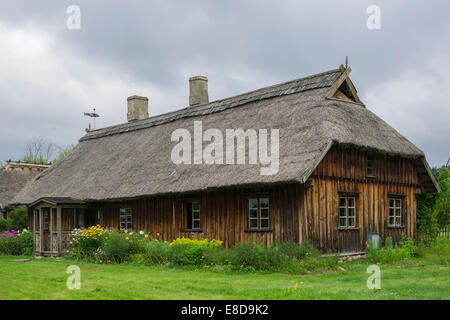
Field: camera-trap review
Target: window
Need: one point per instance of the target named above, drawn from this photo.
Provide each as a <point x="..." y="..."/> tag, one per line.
<point x="193" y="215"/>
<point x="347" y="212"/>
<point x="370" y="171"/>
<point x="125" y="219"/>
<point x="395" y="212"/>
<point x="258" y="213"/>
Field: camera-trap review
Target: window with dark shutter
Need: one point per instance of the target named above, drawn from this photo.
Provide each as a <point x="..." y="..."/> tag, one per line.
<point x="193" y="215"/>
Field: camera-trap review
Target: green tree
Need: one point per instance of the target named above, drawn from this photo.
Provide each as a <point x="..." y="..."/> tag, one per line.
<point x="433" y="208"/>
<point x="441" y="207"/>
<point x="63" y="152"/>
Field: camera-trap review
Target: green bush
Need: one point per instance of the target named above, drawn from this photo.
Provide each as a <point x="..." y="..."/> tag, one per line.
<point x="16" y="243"/>
<point x="17" y="220"/>
<point x="137" y="243"/>
<point x="4" y="225"/>
<point x="253" y="256"/>
<point x="433" y="209"/>
<point x="406" y="249"/>
<point x="187" y="255"/>
<point x="87" y="242"/>
<point x="10" y="243"/>
<point x="157" y="252"/>
<point x="26" y="238"/>
<point x="116" y="248"/>
<point x="192" y="251"/>
<point x="297" y="251"/>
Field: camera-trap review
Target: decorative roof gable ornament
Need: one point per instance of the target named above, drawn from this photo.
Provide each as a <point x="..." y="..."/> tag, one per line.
<point x="343" y="88"/>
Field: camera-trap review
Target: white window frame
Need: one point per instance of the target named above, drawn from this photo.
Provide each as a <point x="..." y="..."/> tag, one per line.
<point x="128" y="223"/>
<point x="395" y="211"/>
<point x="346" y="209"/>
<point x="258" y="211"/>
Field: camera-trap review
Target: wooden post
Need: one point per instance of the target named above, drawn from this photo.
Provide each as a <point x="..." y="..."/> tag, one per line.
<point x="50" y="224"/>
<point x="41" y="230"/>
<point x="34" y="230"/>
<point x="58" y="229"/>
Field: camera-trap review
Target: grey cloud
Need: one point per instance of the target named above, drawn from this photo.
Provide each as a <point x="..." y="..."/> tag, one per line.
<point x="241" y="45"/>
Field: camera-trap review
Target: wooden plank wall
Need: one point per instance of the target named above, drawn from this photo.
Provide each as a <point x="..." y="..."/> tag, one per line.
<point x="344" y="170"/>
<point x="223" y="215"/>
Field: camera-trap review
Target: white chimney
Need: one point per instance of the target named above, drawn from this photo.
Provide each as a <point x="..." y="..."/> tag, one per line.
<point x="198" y="90"/>
<point x="137" y="108"/>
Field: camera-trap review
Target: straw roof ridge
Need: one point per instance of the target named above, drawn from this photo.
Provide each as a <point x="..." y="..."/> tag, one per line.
<point x="321" y="80"/>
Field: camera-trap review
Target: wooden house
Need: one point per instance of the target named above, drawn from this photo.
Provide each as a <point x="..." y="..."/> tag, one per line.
<point x="344" y="174"/>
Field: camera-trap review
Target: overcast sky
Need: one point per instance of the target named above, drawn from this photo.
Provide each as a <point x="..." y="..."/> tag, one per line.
<point x="50" y="75"/>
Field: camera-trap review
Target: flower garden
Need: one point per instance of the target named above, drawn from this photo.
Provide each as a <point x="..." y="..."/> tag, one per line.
<point x="13" y="242"/>
<point x="101" y="246"/>
<point x="98" y="245"/>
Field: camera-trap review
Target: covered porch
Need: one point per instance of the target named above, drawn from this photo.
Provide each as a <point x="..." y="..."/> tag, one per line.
<point x="52" y="221"/>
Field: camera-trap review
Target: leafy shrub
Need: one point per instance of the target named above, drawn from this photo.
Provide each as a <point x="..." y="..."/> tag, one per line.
<point x="87" y="241"/>
<point x="137" y="243"/>
<point x="253" y="256"/>
<point x="10" y="243"/>
<point x="17" y="220"/>
<point x="157" y="252"/>
<point x="4" y="225"/>
<point x="406" y="249"/>
<point x="26" y="238"/>
<point x="186" y="251"/>
<point x="433" y="209"/>
<point x="116" y="247"/>
<point x="16" y="243"/>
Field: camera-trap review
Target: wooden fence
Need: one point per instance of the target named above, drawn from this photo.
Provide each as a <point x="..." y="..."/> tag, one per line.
<point x="444" y="233"/>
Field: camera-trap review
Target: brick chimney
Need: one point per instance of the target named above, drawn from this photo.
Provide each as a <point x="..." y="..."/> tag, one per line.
<point x="137" y="108"/>
<point x="198" y="90"/>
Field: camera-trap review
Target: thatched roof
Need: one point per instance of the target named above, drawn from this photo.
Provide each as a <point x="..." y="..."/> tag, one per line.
<point x="133" y="159"/>
<point x="11" y="182"/>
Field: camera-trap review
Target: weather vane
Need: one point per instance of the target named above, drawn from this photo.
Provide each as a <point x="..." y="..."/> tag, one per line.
<point x="92" y="115"/>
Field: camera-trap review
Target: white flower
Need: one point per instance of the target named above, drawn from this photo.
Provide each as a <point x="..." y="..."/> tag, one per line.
<point x="127" y="238"/>
<point x="141" y="232"/>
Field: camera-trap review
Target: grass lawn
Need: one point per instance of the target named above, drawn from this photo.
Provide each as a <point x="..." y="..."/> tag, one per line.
<point x="420" y="278"/>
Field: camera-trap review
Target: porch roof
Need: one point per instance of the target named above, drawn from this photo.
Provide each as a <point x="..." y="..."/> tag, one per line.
<point x="58" y="201"/>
